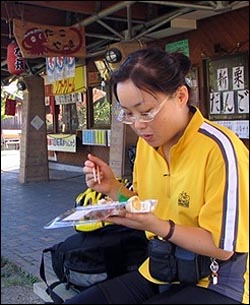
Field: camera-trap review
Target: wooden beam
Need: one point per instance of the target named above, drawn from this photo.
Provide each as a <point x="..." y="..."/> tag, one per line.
<point x="91" y="7"/>
<point x="5" y="41"/>
<point x="34" y="14"/>
<point x="84" y="7"/>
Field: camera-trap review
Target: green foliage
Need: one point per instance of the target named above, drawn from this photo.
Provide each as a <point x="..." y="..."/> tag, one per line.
<point x="82" y="116"/>
<point x="102" y="113"/>
<point x="3" y="100"/>
<point x="11" y="274"/>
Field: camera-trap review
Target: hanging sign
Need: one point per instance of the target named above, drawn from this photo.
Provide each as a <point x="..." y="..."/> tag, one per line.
<point x="15" y="61"/>
<point x="178" y="46"/>
<point x="37" y="40"/>
<point x="72" y="84"/>
<point x="61" y="142"/>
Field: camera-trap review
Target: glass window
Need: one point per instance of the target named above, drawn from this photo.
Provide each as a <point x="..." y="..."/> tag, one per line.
<point x="72" y="116"/>
<point x="73" y="112"/>
<point x="101" y="107"/>
<point x="67" y="118"/>
<point x="81" y="111"/>
<point x="49" y="120"/>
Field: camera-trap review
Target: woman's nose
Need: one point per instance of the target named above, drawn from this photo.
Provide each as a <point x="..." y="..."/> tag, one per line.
<point x="139" y="125"/>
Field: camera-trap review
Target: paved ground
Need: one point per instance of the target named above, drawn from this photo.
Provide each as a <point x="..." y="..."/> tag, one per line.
<point x="26" y="208"/>
<point x="19" y="295"/>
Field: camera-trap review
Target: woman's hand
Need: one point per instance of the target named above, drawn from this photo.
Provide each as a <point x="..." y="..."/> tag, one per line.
<point x="194" y="239"/>
<point x="141" y="221"/>
<point x="108" y="182"/>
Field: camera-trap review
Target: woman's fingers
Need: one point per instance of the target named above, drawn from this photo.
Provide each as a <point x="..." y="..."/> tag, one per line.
<point x="95" y="160"/>
<point x="88" y="167"/>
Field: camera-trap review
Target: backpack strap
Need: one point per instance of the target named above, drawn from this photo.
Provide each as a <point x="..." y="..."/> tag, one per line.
<point x="54" y="296"/>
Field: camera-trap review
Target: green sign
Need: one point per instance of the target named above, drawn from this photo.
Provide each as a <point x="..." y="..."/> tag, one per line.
<point x="178" y="46"/>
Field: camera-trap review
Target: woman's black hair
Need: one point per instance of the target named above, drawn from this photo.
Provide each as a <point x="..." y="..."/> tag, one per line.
<point x="153" y="70"/>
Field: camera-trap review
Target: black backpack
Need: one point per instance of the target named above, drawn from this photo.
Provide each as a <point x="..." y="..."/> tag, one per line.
<point x="86" y="258"/>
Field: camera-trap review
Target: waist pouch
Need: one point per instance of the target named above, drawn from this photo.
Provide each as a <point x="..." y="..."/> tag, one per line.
<point x="168" y="263"/>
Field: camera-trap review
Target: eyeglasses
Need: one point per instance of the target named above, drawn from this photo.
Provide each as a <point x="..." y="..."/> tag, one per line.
<point x="144" y="117"/>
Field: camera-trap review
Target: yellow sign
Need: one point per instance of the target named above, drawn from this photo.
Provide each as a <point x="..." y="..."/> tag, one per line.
<point x="74" y="84"/>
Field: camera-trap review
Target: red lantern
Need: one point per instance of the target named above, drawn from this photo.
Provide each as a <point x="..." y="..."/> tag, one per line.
<point x="15" y="61"/>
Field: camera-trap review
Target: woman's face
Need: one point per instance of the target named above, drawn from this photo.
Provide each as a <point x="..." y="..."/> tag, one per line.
<point x="168" y="124"/>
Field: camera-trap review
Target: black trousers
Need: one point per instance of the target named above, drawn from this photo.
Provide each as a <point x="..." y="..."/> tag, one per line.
<point x="132" y="288"/>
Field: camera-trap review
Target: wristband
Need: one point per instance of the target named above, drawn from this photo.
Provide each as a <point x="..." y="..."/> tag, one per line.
<point x="120" y="197"/>
<point x="171" y="230"/>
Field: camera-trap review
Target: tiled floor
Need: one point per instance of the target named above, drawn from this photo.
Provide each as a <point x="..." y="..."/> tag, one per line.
<point x="26" y="208"/>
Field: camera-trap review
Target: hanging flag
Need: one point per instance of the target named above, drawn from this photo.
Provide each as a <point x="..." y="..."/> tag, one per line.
<point x="10" y="107"/>
<point x="50" y="69"/>
<point x="38" y="40"/>
<point x="69" y="67"/>
<point x="59" y="68"/>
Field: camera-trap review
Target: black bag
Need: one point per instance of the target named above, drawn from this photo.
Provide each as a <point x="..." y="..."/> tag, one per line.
<point x="86" y="258"/>
<point x="191" y="267"/>
<point x="168" y="263"/>
<point x="162" y="262"/>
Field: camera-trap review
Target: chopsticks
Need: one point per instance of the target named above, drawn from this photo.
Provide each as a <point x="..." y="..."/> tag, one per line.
<point x="96" y="174"/>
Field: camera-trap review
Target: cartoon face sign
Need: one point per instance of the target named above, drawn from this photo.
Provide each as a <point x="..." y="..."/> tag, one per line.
<point x="35" y="41"/>
<point x="52" y="41"/>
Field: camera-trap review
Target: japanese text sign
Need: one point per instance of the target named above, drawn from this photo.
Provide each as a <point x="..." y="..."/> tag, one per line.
<point x="37" y="40"/>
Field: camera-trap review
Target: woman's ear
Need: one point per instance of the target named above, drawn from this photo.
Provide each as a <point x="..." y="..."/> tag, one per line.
<point x="182" y="95"/>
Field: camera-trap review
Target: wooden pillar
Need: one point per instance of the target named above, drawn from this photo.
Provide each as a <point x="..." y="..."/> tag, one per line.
<point x="122" y="138"/>
<point x="33" y="151"/>
<point x="117" y="151"/>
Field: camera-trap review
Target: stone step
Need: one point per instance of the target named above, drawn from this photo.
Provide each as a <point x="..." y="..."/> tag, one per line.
<point x="39" y="289"/>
